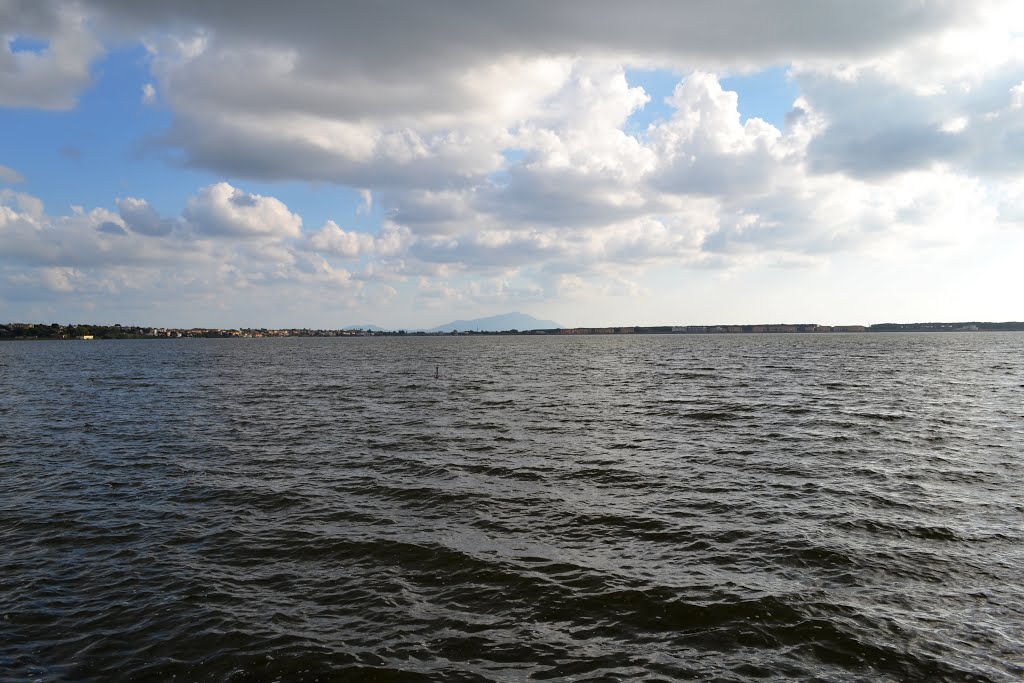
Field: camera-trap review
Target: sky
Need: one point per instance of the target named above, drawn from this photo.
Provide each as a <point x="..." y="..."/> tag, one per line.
<point x="321" y="163"/>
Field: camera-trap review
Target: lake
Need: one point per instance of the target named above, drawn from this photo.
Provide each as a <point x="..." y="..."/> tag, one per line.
<point x="722" y="507"/>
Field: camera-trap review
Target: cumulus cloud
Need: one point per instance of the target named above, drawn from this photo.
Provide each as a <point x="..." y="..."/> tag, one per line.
<point x="30" y="207"/>
<point x="52" y="76"/>
<point x="333" y="240"/>
<point x="223" y="210"/>
<point x="130" y="258"/>
<point x="111" y="228"/>
<point x="950" y="99"/>
<point x="140" y="217"/>
<point x="497" y="141"/>
<point x="275" y="93"/>
<point x="705" y="149"/>
<point x="381" y="96"/>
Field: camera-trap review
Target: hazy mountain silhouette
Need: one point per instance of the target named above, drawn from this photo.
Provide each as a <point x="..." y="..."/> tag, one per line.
<point x="497" y="323"/>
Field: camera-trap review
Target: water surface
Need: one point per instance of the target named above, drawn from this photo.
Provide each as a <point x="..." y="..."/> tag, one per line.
<point x="731" y="508"/>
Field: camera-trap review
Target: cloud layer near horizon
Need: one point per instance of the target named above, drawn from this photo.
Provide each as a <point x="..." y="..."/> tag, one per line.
<point x="499" y="141"/>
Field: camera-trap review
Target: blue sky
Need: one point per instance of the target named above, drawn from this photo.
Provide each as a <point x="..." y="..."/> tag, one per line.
<point x="180" y="166"/>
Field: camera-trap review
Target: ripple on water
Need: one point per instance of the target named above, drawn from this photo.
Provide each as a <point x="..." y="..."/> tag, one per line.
<point x="724" y="508"/>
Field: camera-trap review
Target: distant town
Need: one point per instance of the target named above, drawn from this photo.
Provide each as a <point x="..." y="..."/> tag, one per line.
<point x="12" y="331"/>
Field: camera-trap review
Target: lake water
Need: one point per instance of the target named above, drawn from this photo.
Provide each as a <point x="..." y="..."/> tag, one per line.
<point x="729" y="508"/>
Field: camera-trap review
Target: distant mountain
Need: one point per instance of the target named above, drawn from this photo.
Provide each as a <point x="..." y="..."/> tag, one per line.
<point x="497" y="323"/>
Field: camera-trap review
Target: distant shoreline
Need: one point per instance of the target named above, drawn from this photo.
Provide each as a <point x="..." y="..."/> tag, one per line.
<point x="55" y="332"/>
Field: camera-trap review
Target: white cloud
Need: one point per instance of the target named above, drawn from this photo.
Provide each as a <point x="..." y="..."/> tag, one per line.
<point x="53" y="76"/>
<point x="704" y="149"/>
<point x="223" y="210"/>
<point x="936" y="100"/>
<point x="129" y="261"/>
<point x="496" y="141"/>
<point x="31" y="207"/>
<point x="393" y="239"/>
<point x="436" y="96"/>
<point x="1011" y="203"/>
<point x="59" y="279"/>
<point x="367" y="205"/>
<point x="140" y="217"/>
<point x="332" y="239"/>
<point x="1017" y="96"/>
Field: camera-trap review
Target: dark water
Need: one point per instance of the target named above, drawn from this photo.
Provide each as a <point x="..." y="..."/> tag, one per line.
<point x="829" y="508"/>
